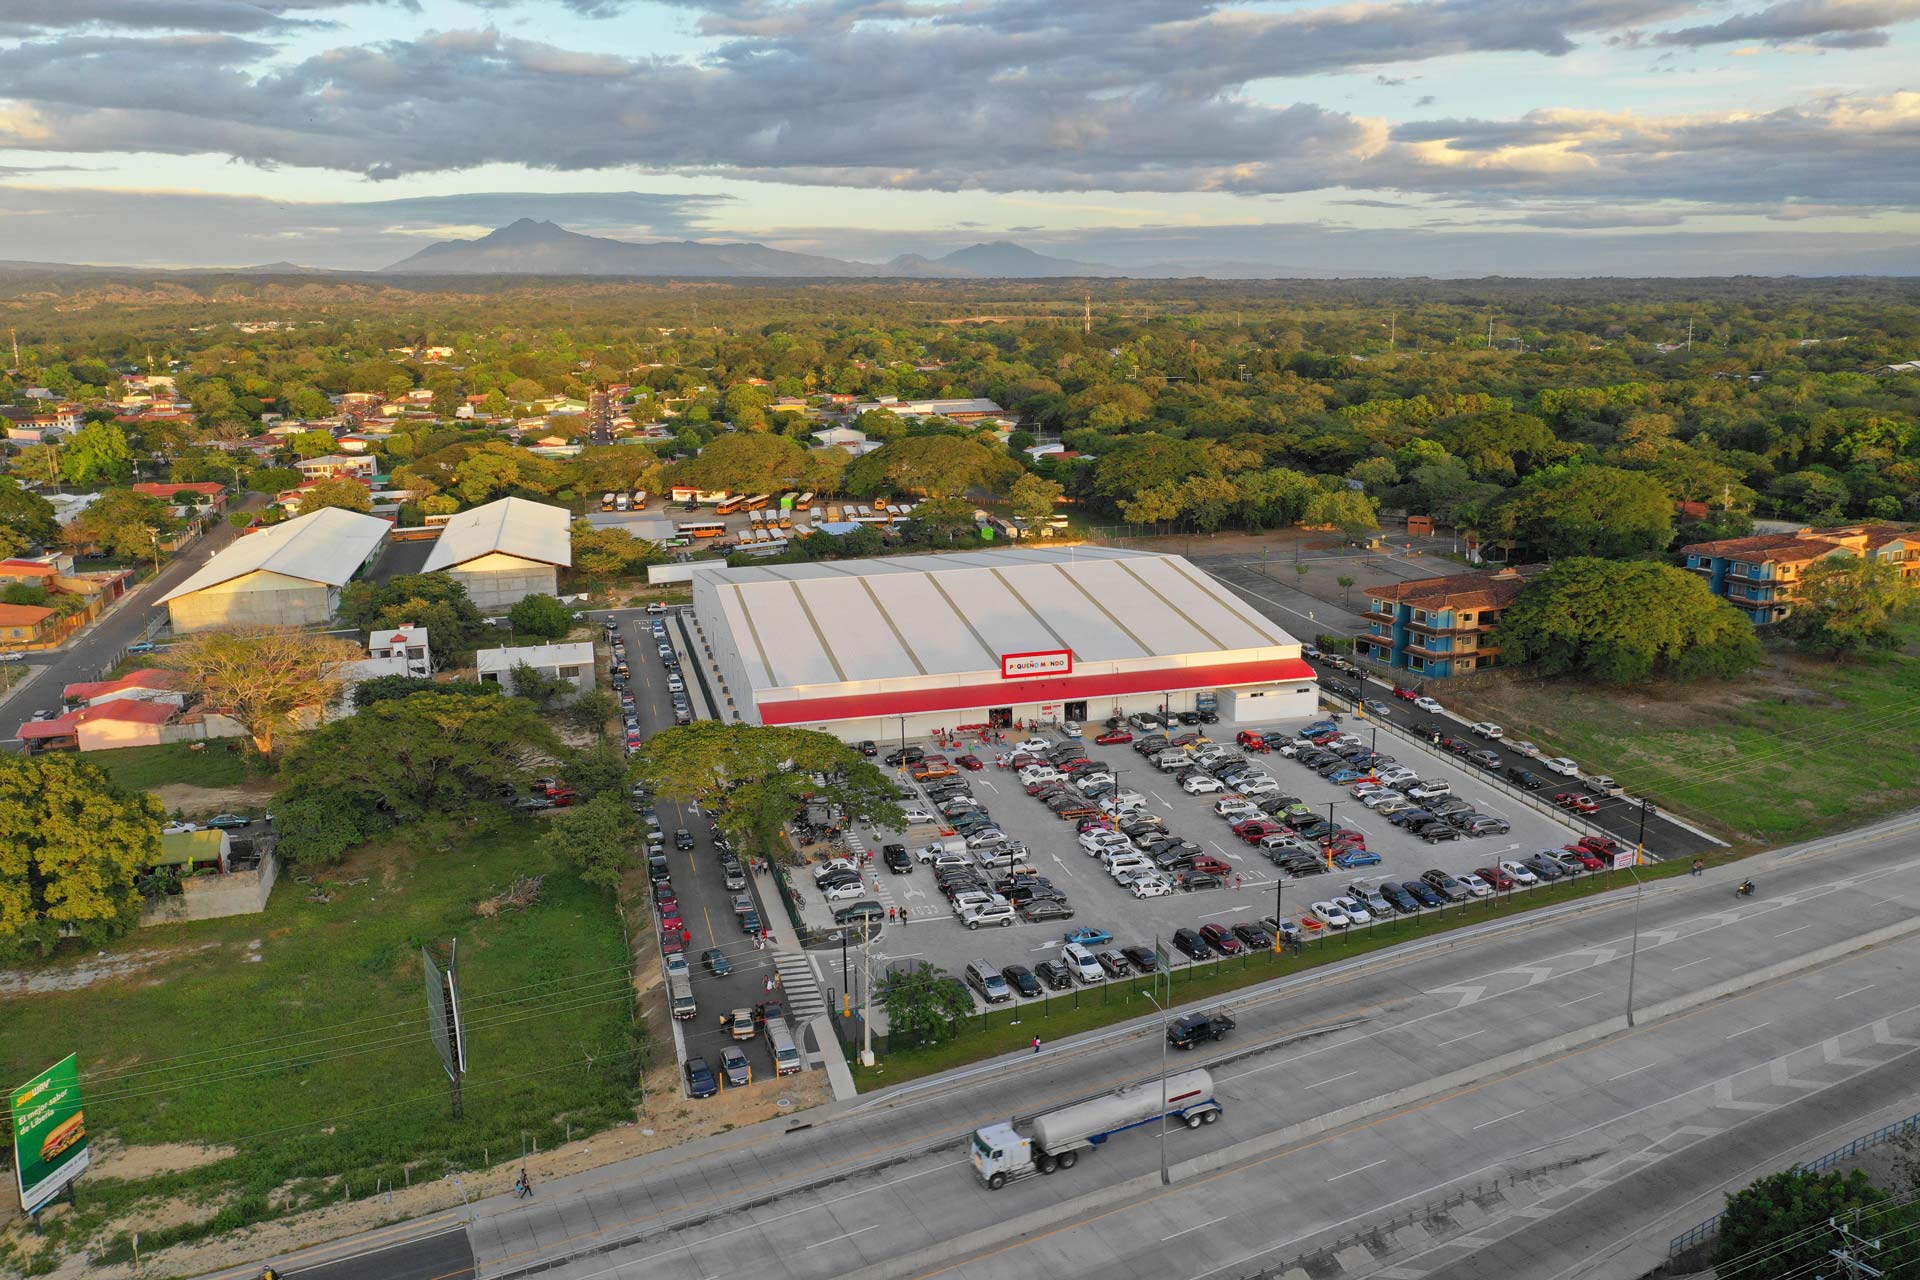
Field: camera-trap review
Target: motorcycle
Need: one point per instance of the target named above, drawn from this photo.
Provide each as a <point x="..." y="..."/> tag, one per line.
<point x="1745" y="890"/>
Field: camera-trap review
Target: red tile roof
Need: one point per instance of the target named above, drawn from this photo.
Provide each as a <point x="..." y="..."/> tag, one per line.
<point x="132" y="710"/>
<point x="152" y="678"/>
<point x="23" y="615"/>
<point x="1494" y="589"/>
<point x="206" y="488"/>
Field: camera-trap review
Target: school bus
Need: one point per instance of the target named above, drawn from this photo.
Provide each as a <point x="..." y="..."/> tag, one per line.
<point x="728" y="506"/>
<point x="701" y="528"/>
<point x="756" y="502"/>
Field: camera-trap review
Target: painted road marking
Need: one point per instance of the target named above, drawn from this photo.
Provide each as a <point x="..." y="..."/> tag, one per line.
<point x="1856" y="991"/>
<point x="1457" y="1039"/>
<point x="1209" y="1222"/>
<point x="1582" y="998"/>
<point x="1736" y="1035"/>
<point x="1636" y="1071"/>
<point x="1342" y="1076"/>
<point x="1497" y="1119"/>
<point x="1689" y="964"/>
<point x="1362" y="1169"/>
<point x="848" y="1236"/>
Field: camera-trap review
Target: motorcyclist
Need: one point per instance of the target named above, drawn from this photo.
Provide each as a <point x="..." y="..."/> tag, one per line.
<point x="1746" y="889"/>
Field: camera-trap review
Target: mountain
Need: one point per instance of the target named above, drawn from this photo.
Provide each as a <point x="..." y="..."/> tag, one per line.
<point x="921" y="267"/>
<point x="1005" y="260"/>
<point x="527" y="247"/>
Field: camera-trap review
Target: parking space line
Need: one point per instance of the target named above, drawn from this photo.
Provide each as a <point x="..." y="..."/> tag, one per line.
<point x="1457" y="1039"/>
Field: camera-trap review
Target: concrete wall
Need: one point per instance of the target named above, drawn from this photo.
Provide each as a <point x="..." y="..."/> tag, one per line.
<point x="260" y="598"/>
<point x="498" y="582"/>
<point x="237" y="893"/>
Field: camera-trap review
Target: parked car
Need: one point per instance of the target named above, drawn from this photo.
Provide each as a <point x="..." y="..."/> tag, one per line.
<point x="1190" y="944"/>
<point x="1329" y="914"/>
<point x="227" y="821"/>
<point x="1054" y="974"/>
<point x="1221" y="939"/>
<point x="1143" y="959"/>
<point x="700" y="1079"/>
<point x="1021" y="979"/>
<point x="1525" y="778"/>
<point x="1037" y="909"/>
<point x="1447" y="887"/>
<point x="1089" y="936"/>
<point x="1486" y="729"/>
<point x="1577" y="802"/>
<point x="1428" y="704"/>
<point x="735" y="1067"/>
<point x="1546" y="866"/>
<point x="1253" y="936"/>
<point x="1562" y="766"/>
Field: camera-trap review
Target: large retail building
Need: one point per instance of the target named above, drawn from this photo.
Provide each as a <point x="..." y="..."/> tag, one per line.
<point x="899" y="646"/>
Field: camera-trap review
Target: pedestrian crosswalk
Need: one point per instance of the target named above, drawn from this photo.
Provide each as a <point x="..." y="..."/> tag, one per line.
<point x="802" y="988"/>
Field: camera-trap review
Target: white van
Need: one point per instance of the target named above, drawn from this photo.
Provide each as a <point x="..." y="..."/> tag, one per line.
<point x="1081" y="964"/>
<point x="786" y="1057"/>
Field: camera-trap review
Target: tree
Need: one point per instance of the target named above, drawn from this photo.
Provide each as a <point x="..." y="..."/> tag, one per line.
<point x="316" y="826"/>
<point x="1034" y="499"/>
<point x="598" y="837"/>
<point x="1623" y="621"/>
<point x="431" y="753"/>
<point x="932" y="467"/>
<point x="1351" y="512"/>
<point x="752" y="778"/>
<point x="348" y="495"/>
<point x="71" y="843"/>
<point x="311" y="444"/>
<point x="98" y="452"/>
<point x="1845" y="603"/>
<point x="387" y="688"/>
<point x="590" y="713"/>
<point x="122" y="522"/>
<point x="264" y="678"/>
<point x="924" y="1007"/>
<point x="431" y="600"/>
<point x="1586" y="511"/>
<point x="744" y="462"/>
<point x="25" y="515"/>
<point x="1784" y="1213"/>
<point x="541" y="616"/>
<point x="273" y="479"/>
<point x="941" y="520"/>
<point x="1346" y="583"/>
<point x="610" y="553"/>
<point x="536" y="686"/>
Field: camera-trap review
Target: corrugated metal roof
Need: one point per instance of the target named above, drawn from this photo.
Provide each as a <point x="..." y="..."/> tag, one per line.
<point x="328" y="546"/>
<point x="511" y="526"/>
<point x="946" y="615"/>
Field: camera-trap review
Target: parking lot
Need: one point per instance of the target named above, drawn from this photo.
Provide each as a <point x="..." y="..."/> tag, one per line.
<point x="925" y="927"/>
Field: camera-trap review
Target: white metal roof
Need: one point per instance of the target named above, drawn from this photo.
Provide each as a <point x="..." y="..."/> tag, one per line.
<point x="945" y="615"/>
<point x="512" y="526"/>
<point x="328" y="546"/>
<point x="578" y="653"/>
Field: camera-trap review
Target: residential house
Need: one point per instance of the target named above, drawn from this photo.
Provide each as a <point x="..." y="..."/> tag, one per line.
<point x="29" y="626"/>
<point x="1436" y="627"/>
<point x="209" y="495"/>
<point x="151" y="685"/>
<point x="1759" y="575"/>
<point x="569" y="661"/>
<point x="959" y="410"/>
<point x="408" y="643"/>
<point x="332" y="466"/>
<point x="126" y="722"/>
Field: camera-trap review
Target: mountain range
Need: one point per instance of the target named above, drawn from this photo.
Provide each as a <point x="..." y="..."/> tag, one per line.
<point x="528" y="247"/>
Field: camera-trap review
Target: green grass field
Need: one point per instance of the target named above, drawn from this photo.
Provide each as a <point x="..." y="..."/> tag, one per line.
<point x="144" y="768"/>
<point x="299" y="1036"/>
<point x="1799" y="748"/>
<point x="1012" y="1027"/>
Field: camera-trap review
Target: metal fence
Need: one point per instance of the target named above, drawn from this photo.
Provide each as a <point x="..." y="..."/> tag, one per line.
<point x="1839" y="1155"/>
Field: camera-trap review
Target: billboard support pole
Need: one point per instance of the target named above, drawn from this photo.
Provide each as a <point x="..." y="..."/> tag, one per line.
<point x="445" y="1020"/>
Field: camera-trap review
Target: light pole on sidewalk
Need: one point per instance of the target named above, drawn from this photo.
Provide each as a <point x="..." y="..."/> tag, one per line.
<point x="1633" y="955"/>
<point x="1164" y="1179"/>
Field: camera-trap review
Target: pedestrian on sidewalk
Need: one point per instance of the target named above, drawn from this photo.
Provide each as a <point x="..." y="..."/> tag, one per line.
<point x="1698" y="866"/>
<point x="1036" y="1044"/>
<point x="524" y="1186"/>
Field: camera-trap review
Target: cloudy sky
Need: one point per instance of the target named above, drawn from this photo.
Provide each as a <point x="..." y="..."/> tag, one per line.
<point x="1443" y="136"/>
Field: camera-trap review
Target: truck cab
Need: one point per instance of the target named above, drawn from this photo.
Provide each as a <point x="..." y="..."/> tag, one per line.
<point x="1000" y="1151"/>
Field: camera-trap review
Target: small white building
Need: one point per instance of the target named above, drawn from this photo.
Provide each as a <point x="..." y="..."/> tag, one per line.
<point x="408" y="643"/>
<point x="569" y="661"/>
<point x="505" y="551"/>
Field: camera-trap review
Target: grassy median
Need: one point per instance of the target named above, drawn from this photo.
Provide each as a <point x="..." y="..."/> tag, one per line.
<point x="1061" y="1014"/>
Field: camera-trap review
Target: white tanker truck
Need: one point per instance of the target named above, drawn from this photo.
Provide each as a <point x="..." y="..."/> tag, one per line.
<point x="1002" y="1152"/>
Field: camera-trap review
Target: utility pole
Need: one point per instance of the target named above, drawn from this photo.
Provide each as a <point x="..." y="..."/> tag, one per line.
<point x="1489" y="333"/>
<point x="1850" y="1254"/>
<point x="866" y="999"/>
<point x="14" y="335"/>
<point x="1689" y="335"/>
<point x="1086" y="319"/>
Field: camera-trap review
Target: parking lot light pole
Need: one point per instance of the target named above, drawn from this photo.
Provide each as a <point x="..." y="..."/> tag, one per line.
<point x="1633" y="955"/>
<point x="1164" y="1179"/>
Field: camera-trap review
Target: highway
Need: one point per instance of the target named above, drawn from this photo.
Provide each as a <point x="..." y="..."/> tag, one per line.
<point x="1471" y="1104"/>
<point x="100" y="646"/>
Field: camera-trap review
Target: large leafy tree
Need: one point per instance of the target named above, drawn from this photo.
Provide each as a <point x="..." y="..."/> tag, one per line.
<point x="1353" y="513"/>
<point x="598" y="837"/>
<point x="932" y="467"/>
<point x="26" y="519"/>
<point x="430" y="753"/>
<point x="1587" y="511"/>
<point x="432" y="600"/>
<point x="754" y="778"/>
<point x="1845" y="603"/>
<point x="265" y="678"/>
<point x="924" y="1007"/>
<point x="610" y="553"/>
<point x="1623" y="621"/>
<point x="1034" y="498"/>
<point x="540" y="616"/>
<point x="745" y="462"/>
<point x="122" y="522"/>
<point x="1784" y="1217"/>
<point x="71" y="843"/>
<point x="348" y="495"/>
<point x="98" y="453"/>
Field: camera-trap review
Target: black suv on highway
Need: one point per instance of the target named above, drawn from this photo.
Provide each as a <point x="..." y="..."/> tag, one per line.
<point x="1195" y="1027"/>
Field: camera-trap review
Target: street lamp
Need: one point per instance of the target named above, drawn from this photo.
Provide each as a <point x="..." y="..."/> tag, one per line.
<point x="1161" y="1009"/>
<point x="1633" y="955"/>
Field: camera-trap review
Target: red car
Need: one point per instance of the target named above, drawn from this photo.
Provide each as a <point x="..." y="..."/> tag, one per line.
<point x="1114" y="738"/>
<point x="1212" y="866"/>
<point x="1255" y="832"/>
<point x="1495" y="877"/>
<point x="1221" y="939"/>
<point x="1322" y="739"/>
<point x="1347" y="838"/>
<point x="1406" y="695"/>
<point x="1095" y="824"/>
<point x="1602" y="845"/>
<point x="1585" y="857"/>
<point x="970" y="762"/>
<point x="1578" y="803"/>
<point x="1251" y="741"/>
<point x="671" y="922"/>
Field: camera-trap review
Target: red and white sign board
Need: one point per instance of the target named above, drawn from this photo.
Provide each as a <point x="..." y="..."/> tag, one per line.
<point x="1043" y="662"/>
<point x="1622" y="859"/>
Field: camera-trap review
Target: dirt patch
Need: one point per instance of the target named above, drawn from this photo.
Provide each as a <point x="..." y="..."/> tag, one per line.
<point x="155" y="1158"/>
<point x="192" y="801"/>
<point x="98" y="968"/>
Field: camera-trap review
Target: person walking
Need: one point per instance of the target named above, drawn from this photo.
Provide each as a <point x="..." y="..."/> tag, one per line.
<point x="1036" y="1044"/>
<point x="1698" y="866"/>
<point x="523" y="1188"/>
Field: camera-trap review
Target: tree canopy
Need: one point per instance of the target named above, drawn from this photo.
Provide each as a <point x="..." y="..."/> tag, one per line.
<point x="1845" y="603"/>
<point x="1586" y="511"/>
<point x="1624" y="621"/>
<point x="540" y="616"/>
<point x="264" y="678"/>
<point x="72" y="842"/>
<point x="932" y="467"/>
<point x="436" y="601"/>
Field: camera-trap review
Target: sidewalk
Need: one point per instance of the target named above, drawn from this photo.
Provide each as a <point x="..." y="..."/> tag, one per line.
<point x="832" y="1057"/>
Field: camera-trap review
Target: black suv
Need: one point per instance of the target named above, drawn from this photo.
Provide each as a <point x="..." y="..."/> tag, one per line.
<point x="898" y="860"/>
<point x="1525" y="778"/>
<point x="1191" y="945"/>
<point x="1196" y="1027"/>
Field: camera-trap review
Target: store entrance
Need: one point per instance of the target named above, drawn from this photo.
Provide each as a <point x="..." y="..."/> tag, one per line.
<point x="1076" y="712"/>
<point x="1000" y="717"/>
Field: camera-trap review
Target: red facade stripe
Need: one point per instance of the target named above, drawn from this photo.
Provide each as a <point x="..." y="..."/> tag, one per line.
<point x="999" y="693"/>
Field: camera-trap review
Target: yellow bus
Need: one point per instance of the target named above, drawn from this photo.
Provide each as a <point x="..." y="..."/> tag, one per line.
<point x="728" y="506"/>
<point x="701" y="528"/>
<point x="756" y="502"/>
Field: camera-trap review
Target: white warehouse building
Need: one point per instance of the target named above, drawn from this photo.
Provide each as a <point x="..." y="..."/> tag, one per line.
<point x="893" y="647"/>
<point x="504" y="551"/>
<point x="285" y="575"/>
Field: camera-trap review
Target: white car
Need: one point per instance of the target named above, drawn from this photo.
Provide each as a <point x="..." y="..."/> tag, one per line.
<point x="1199" y="784"/>
<point x="1431" y="789"/>
<point x="945" y="860"/>
<point x="1289" y="749"/>
<point x="1071" y="732"/>
<point x="1001" y="915"/>
<point x="1524" y="748"/>
<point x="1329" y="914"/>
<point x="1039" y="773"/>
<point x="1521" y="873"/>
<point x="177" y="828"/>
<point x="1426" y="704"/>
<point x="850" y="889"/>
<point x="1475" y="885"/>
<point x="1151" y="887"/>
<point x="1037" y="745"/>
<point x="916" y="816"/>
<point x="1120" y="868"/>
<point x="1562" y="766"/>
<point x="1236" y="807"/>
<point x="1486" y="729"/>
<point x="1356" y="910"/>
<point x="1258" y="787"/>
<point x="977" y="900"/>
<point x="1099" y="778"/>
<point x="1398" y="775"/>
<point x="986" y="836"/>
<point x="1362" y="791"/>
<point x="1097" y="839"/>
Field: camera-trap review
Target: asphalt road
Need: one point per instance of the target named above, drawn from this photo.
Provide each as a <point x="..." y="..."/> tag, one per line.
<point x="1481" y="1087"/>
<point x="100" y="646"/>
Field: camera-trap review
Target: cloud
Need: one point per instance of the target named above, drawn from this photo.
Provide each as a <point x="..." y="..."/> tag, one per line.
<point x="35" y="17"/>
<point x="585" y="8"/>
<point x="1834" y="24"/>
<point x="172" y="227"/>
